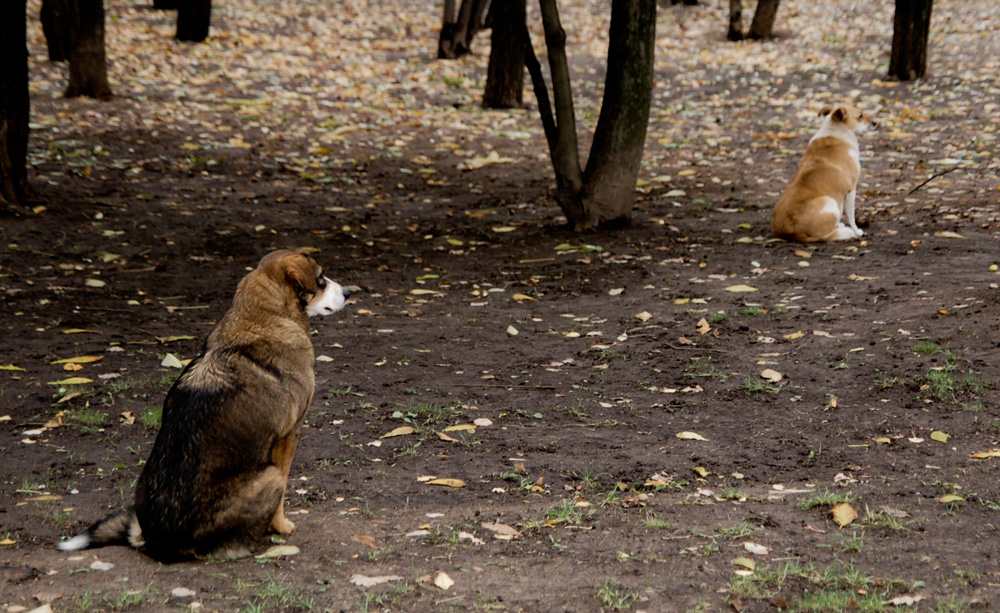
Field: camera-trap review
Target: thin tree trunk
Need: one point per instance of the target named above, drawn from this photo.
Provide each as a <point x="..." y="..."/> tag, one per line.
<point x="762" y="26"/>
<point x="14" y="102"/>
<point x="447" y="36"/>
<point x="735" y="20"/>
<point x="88" y="66"/>
<point x="505" y="73"/>
<point x="194" y="17"/>
<point x="620" y="137"/>
<point x="910" y="30"/>
<point x="564" y="149"/>
<point x="56" y="25"/>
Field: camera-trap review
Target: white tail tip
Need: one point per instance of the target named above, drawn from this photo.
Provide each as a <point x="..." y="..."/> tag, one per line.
<point x="81" y="541"/>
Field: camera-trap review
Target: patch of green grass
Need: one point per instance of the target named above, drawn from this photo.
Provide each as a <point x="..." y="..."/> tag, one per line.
<point x="344" y="391"/>
<point x="126" y="601"/>
<point x="952" y="604"/>
<point x="718" y="318"/>
<point x="926" y="348"/>
<point x="753" y="311"/>
<point x="275" y="595"/>
<point x="825" y="498"/>
<point x="886" y="382"/>
<point x="702" y="367"/>
<point x="947" y="384"/>
<point x="757" y="386"/>
<point x="656" y="523"/>
<point x="152" y="418"/>
<point x="426" y="413"/>
<point x="741" y="530"/>
<point x="885" y="520"/>
<point x="89" y="420"/>
<point x="615" y="597"/>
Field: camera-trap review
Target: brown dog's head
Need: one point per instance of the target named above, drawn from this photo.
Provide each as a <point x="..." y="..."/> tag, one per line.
<point x="851" y="117"/>
<point x="316" y="294"/>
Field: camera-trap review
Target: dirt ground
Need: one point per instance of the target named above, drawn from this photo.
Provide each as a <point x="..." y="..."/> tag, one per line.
<point x="579" y="368"/>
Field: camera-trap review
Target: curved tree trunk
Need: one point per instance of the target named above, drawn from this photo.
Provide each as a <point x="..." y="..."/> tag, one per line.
<point x="88" y="66"/>
<point x="458" y="31"/>
<point x="605" y="192"/>
<point x="911" y="28"/>
<point x="620" y="137"/>
<point x="194" y="17"/>
<point x="14" y="103"/>
<point x="762" y="26"/>
<point x="505" y="73"/>
<point x="735" y="20"/>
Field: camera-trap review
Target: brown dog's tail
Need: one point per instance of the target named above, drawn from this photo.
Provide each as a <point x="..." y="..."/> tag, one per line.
<point x="121" y="528"/>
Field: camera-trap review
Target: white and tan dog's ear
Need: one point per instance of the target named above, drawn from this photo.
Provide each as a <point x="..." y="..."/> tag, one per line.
<point x="826" y="110"/>
<point x="839" y="114"/>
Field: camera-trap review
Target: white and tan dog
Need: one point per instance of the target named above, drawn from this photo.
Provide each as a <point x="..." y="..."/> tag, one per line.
<point x="824" y="189"/>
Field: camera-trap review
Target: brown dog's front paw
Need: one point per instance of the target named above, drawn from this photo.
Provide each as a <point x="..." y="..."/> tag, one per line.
<point x="282" y="525"/>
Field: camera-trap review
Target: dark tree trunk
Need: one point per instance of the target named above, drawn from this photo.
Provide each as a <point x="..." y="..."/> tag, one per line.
<point x="88" y="66"/>
<point x="620" y="137"/>
<point x="165" y="5"/>
<point x="193" y="20"/>
<point x="458" y="31"/>
<point x="735" y="20"/>
<point x="14" y="104"/>
<point x="762" y="26"/>
<point x="57" y="27"/>
<point x="911" y="28"/>
<point x="505" y="74"/>
<point x="605" y="192"/>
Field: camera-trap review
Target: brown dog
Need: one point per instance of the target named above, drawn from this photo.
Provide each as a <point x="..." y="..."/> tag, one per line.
<point x="215" y="479"/>
<point x="824" y="189"/>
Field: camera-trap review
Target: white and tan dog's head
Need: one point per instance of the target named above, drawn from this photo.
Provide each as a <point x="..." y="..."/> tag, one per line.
<point x="846" y="116"/>
<point x="315" y="292"/>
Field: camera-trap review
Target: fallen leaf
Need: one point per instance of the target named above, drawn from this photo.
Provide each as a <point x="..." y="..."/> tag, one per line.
<point x="72" y="381"/>
<point x="982" y="455"/>
<point x="72" y="367"/>
<point x="182" y="592"/>
<point x="904" y="601"/>
<point x="794" y="335"/>
<point x="939" y="436"/>
<point x="7" y="542"/>
<point x="80" y="331"/>
<point x="644" y="316"/>
<point x="11" y="367"/>
<point x="741" y="288"/>
<point x="701" y="471"/>
<point x="951" y="498"/>
<point x="400" y="431"/>
<point x="98" y="565"/>
<point x="947" y="234"/>
<point x="703" y="327"/>
<point x="80" y="359"/>
<point x="523" y="297"/>
<point x="364" y="539"/>
<point x="279" y="551"/>
<point x="843" y="514"/>
<point x="365" y="581"/>
<point x="447" y="482"/>
<point x="128" y="417"/>
<point x="445" y="437"/>
<point x="461" y="428"/>
<point x="443" y="581"/>
<point x="771" y="375"/>
<point x="691" y="436"/>
<point x="171" y="361"/>
<point x="756" y="549"/>
<point x="745" y="563"/>
<point x="171" y="339"/>
<point x="501" y="531"/>
<point x="511" y="330"/>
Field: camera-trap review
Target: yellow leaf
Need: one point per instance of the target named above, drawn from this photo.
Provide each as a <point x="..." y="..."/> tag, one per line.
<point x="171" y="339"/>
<point x="941" y="437"/>
<point x="947" y="234"/>
<point x="794" y="335"/>
<point x="883" y="440"/>
<point x="80" y="359"/>
<point x="511" y="330"/>
<point x="681" y="300"/>
<point x="745" y="563"/>
<point x="80" y="331"/>
<point x="443" y="581"/>
<point x="72" y="381"/>
<point x="278" y="551"/>
<point x="523" y="297"/>
<point x="741" y="288"/>
<point x="982" y="455"/>
<point x="7" y="542"/>
<point x="447" y="482"/>
<point x="400" y="431"/>
<point x="72" y="367"/>
<point x="461" y="428"/>
<point x="644" y="316"/>
<point x="445" y="437"/>
<point x="10" y="367"/>
<point x="703" y="327"/>
<point x="951" y="498"/>
<point x="843" y="514"/>
<point x="702" y="472"/>
<point x="691" y="436"/>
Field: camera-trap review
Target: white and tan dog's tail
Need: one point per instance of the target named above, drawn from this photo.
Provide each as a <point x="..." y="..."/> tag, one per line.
<point x="121" y="528"/>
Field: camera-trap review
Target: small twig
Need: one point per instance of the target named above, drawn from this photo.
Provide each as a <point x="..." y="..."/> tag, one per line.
<point x="932" y="177"/>
<point x="533" y="387"/>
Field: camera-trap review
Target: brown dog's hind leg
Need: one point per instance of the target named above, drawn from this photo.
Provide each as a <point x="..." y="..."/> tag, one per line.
<point x="282" y="454"/>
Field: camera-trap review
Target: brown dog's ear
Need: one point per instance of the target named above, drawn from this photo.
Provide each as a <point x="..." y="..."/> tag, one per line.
<point x="826" y="110"/>
<point x="839" y="114"/>
<point x="300" y="276"/>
